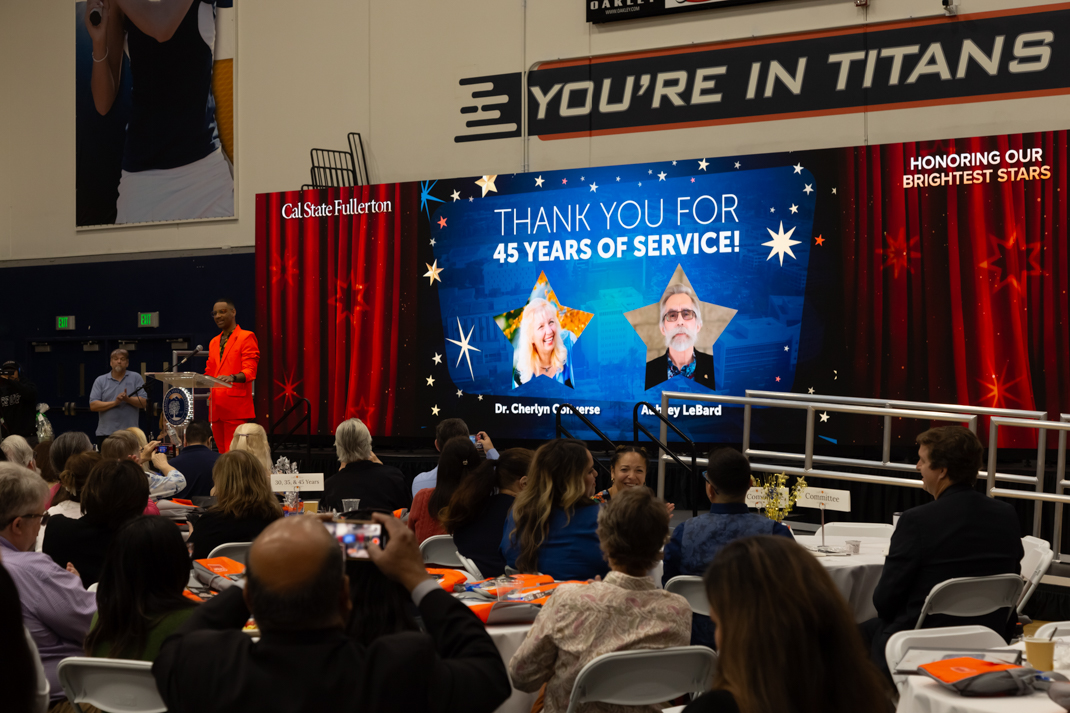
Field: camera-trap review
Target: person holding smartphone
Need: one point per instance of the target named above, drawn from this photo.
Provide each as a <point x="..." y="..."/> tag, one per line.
<point x="447" y="429"/>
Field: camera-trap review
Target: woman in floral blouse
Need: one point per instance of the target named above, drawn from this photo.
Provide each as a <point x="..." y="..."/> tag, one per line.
<point x="626" y="611"/>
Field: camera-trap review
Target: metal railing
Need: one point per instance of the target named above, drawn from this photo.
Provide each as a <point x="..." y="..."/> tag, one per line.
<point x="664" y="450"/>
<point x="984" y="411"/>
<point x="560" y="429"/>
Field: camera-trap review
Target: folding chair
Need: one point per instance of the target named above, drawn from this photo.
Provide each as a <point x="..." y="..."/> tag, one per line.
<point x="1035" y="563"/>
<point x="1054" y="628"/>
<point x="115" y="685"/>
<point x="693" y="590"/>
<point x="644" y="677"/>
<point x="360" y="158"/>
<point x="237" y="551"/>
<point x="332" y="169"/>
<point x="972" y="596"/>
<point x="951" y="637"/>
<point x="470" y="567"/>
<point x="857" y="529"/>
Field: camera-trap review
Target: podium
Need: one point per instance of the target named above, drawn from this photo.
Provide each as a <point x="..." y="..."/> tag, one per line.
<point x="178" y="397"/>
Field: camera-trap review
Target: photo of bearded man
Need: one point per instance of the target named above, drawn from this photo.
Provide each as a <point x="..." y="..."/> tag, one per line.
<point x="680" y="323"/>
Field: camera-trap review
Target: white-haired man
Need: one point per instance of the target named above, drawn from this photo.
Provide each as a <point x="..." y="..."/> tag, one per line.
<point x="680" y="324"/>
<point x="362" y="475"/>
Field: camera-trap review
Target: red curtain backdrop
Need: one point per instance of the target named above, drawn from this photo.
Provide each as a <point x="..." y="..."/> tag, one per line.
<point x="336" y="305"/>
<point x="957" y="294"/>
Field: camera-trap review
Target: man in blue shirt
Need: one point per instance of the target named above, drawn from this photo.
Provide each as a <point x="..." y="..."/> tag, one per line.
<point x="445" y="430"/>
<point x="695" y="543"/>
<point x="113" y="396"/>
<point x="196" y="460"/>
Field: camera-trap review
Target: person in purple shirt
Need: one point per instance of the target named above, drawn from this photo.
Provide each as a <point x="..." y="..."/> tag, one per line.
<point x="56" y="609"/>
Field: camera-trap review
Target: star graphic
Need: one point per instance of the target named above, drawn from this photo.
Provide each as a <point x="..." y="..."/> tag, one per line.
<point x="824" y="416"/>
<point x="465" y="347"/>
<point x="798" y="168"/>
<point x="487" y="184"/>
<point x="480" y="397"/>
<point x="794" y="209"/>
<point x="434" y="410"/>
<point x="778" y="379"/>
<point x="287" y="272"/>
<point x="772" y="210"/>
<point x="996" y="394"/>
<point x="425" y="196"/>
<point x="618" y="178"/>
<point x="819" y="240"/>
<point x="581" y="179"/>
<point x="661" y="176"/>
<point x="900" y="253"/>
<point x="781" y="243"/>
<point x="787" y="349"/>
<point x="1016" y="273"/>
<point x="437" y="358"/>
<point x="837" y="374"/>
<point x="564" y="181"/>
<point x="737" y="164"/>
<point x="594" y="187"/>
<point x="432" y="272"/>
<point x="289" y="390"/>
<point x="674" y="163"/>
<point x="809" y="189"/>
<point x="470" y="199"/>
<point x="649" y="171"/>
<point x="459" y="393"/>
<point x="442" y="222"/>
<point x="810" y="390"/>
<point x="539" y="181"/>
<point x="692" y="179"/>
<point x="703" y="164"/>
<point x="456" y="196"/>
<point x="432" y="242"/>
<point x="430" y="381"/>
<point x="833" y="191"/>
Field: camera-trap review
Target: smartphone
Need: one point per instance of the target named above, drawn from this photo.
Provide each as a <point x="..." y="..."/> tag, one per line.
<point x="355" y="536"/>
<point x="166" y="448"/>
<point x="475" y="442"/>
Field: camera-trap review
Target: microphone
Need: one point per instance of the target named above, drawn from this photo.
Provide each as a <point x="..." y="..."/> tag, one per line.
<point x="194" y="353"/>
<point x="95" y="16"/>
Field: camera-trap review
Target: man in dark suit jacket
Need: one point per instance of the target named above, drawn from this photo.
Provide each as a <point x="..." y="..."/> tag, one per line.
<point x="363" y="475"/>
<point x="963" y="533"/>
<point x="304" y="662"/>
<point x="196" y="460"/>
<point x="680" y="324"/>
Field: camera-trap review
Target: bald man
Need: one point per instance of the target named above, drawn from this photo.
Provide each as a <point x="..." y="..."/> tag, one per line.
<point x="299" y="595"/>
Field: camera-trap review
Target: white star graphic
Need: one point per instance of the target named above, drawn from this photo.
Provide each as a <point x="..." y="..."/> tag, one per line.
<point x="459" y="393"/>
<point x="787" y="349"/>
<point x="824" y="417"/>
<point x="810" y="390"/>
<point x="833" y="191"/>
<point x="430" y="381"/>
<point x="581" y="178"/>
<point x="433" y="271"/>
<point x="480" y="397"/>
<point x="432" y="242"/>
<point x="772" y="210"/>
<point x="809" y="189"/>
<point x="466" y="347"/>
<point x="487" y="184"/>
<point x="794" y="209"/>
<point x="640" y="184"/>
<point x="434" y="410"/>
<point x="704" y="163"/>
<point x="437" y="358"/>
<point x="661" y="176"/>
<point x="539" y="181"/>
<point x="456" y="195"/>
<point x="737" y="164"/>
<point x="781" y="243"/>
<point x="594" y="187"/>
<point x="650" y="171"/>
<point x="470" y="199"/>
<point x="798" y="168"/>
<point x="674" y="163"/>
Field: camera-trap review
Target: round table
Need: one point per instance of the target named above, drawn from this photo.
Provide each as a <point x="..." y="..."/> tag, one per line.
<point x="508" y="637"/>
<point x="856" y="576"/>
<point x="924" y="695"/>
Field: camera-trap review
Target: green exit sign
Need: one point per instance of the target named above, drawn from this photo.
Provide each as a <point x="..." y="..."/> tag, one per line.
<point x="148" y="319"/>
<point x="66" y="322"/>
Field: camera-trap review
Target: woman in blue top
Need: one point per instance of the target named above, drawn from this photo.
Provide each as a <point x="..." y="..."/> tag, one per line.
<point x="552" y="528"/>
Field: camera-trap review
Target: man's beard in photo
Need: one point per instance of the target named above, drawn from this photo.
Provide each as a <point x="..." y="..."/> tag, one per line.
<point x="681" y="338"/>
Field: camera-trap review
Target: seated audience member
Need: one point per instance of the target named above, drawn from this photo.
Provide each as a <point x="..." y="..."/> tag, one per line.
<point x="66" y="445"/>
<point x="477" y="511"/>
<point x="552" y="528"/>
<point x="22" y="678"/>
<point x="362" y="476"/>
<point x="73" y="478"/>
<point x="142" y="444"/>
<point x="786" y="638"/>
<point x="164" y="484"/>
<point x="296" y="590"/>
<point x="114" y="492"/>
<point x="456" y="463"/>
<point x="139" y="598"/>
<point x="624" y="612"/>
<point x="42" y="461"/>
<point x="381" y="606"/>
<point x="627" y="469"/>
<point x="444" y="431"/>
<point x="695" y="543"/>
<point x="244" y="504"/>
<point x="19" y="451"/>
<point x="253" y="438"/>
<point x="56" y="608"/>
<point x="196" y="460"/>
<point x="963" y="533"/>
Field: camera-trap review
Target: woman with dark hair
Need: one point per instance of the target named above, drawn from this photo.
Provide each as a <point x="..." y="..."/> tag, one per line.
<point x="139" y="598"/>
<point x="476" y="513"/>
<point x="457" y="461"/>
<point x="552" y="528"/>
<point x="114" y="492"/>
<point x="63" y="448"/>
<point x="244" y="505"/>
<point x="800" y="653"/>
<point x="73" y="479"/>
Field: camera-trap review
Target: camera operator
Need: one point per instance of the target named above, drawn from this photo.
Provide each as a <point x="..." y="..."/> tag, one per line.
<point x="18" y="404"/>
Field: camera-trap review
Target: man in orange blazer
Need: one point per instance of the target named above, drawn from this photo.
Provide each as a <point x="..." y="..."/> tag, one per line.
<point x="232" y="357"/>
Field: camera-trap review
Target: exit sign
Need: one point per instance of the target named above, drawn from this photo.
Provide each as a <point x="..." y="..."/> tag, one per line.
<point x="148" y="319"/>
<point x="66" y="322"/>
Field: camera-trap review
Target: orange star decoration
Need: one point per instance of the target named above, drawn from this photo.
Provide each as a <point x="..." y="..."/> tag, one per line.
<point x="289" y="389"/>
<point x="433" y="272"/>
<point x="442" y="222"/>
<point x="819" y="240"/>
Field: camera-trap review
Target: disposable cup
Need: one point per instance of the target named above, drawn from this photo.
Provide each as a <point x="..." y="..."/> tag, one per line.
<point x="854" y="546"/>
<point x="350" y="504"/>
<point x="1040" y="653"/>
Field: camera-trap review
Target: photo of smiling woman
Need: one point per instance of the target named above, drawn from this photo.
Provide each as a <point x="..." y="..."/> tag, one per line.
<point x="543" y="347"/>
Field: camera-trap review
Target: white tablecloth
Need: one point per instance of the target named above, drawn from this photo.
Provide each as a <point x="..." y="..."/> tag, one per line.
<point x="856" y="576"/>
<point x="508" y="637"/>
<point x="924" y="695"/>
